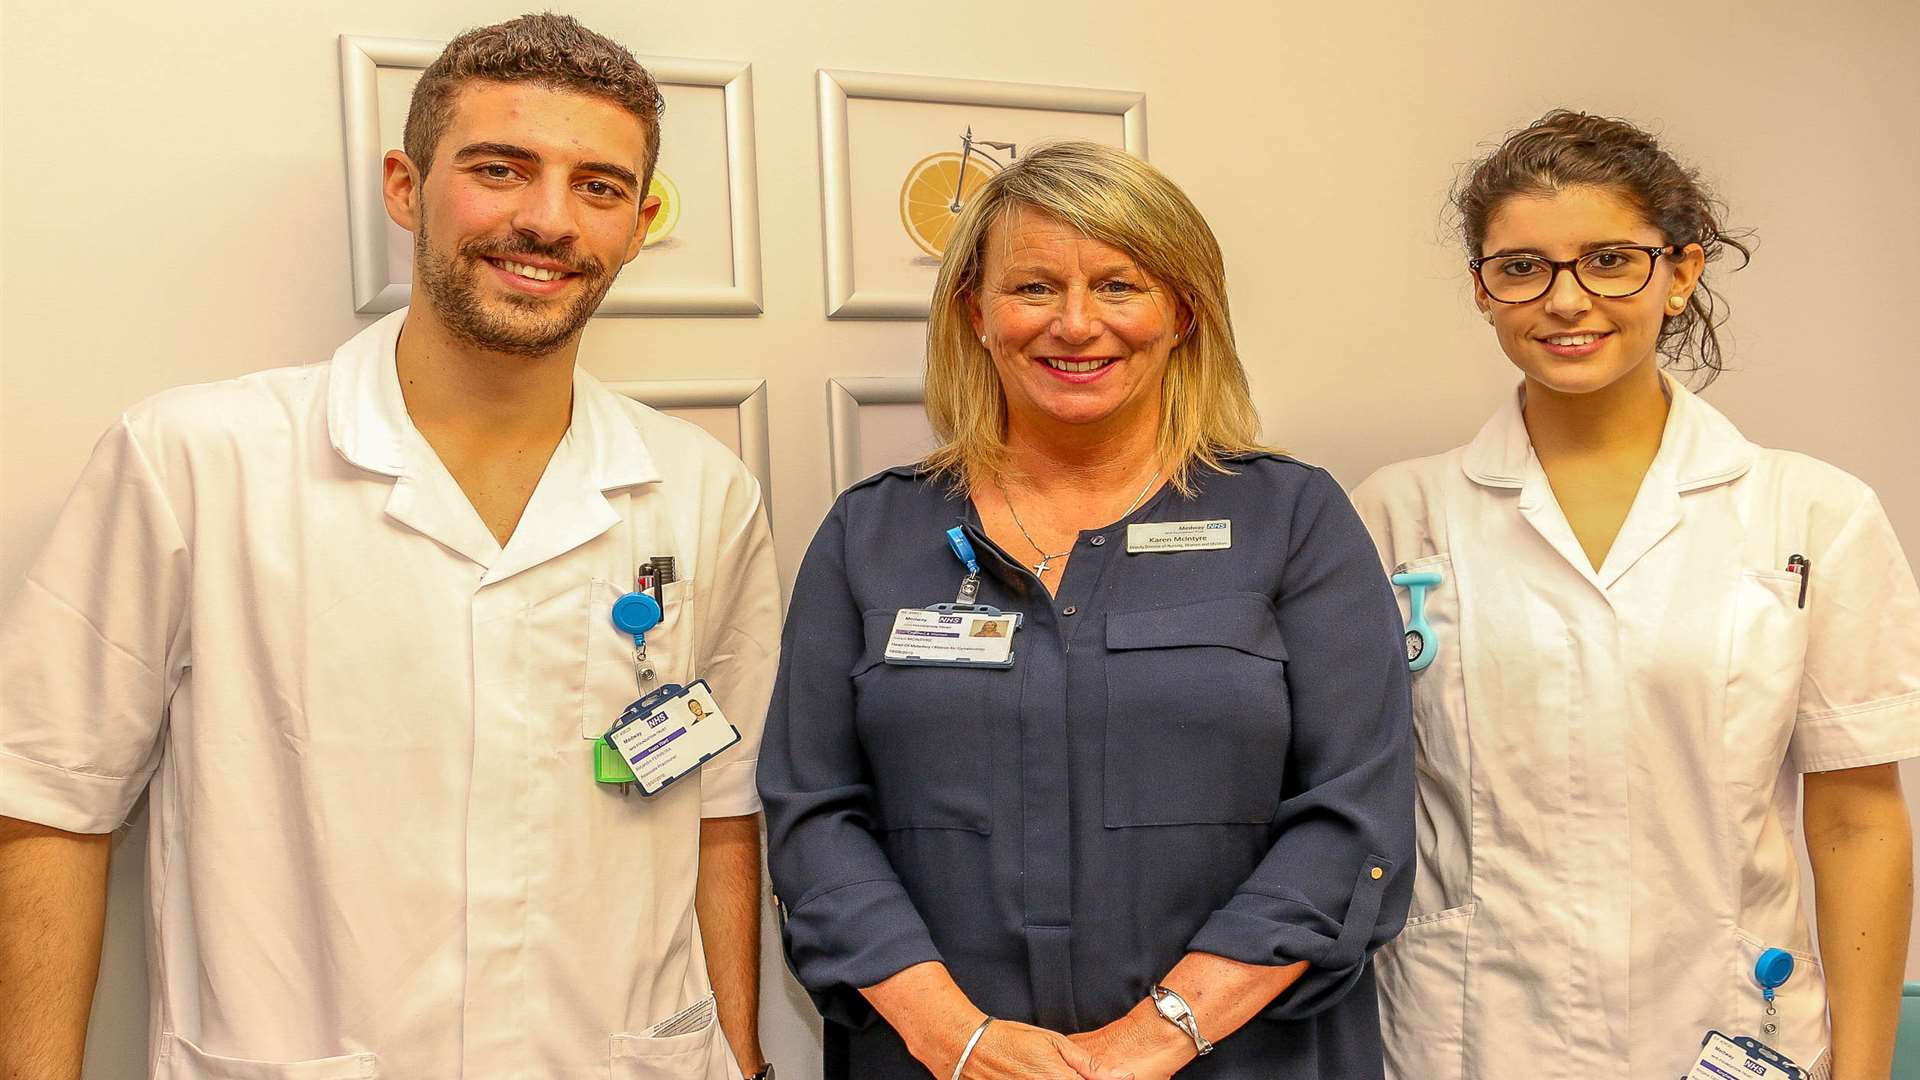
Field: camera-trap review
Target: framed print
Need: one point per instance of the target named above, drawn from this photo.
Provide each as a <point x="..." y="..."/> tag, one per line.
<point x="702" y="254"/>
<point x="899" y="155"/>
<point x="875" y="424"/>
<point x="733" y="411"/>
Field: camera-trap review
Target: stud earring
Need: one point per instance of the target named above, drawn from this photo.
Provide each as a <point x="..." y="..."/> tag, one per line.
<point x="983" y="339"/>
<point x="1676" y="303"/>
<point x="1487" y="315"/>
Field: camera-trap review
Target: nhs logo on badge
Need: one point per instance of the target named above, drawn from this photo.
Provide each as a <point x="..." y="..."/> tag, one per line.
<point x="657" y="719"/>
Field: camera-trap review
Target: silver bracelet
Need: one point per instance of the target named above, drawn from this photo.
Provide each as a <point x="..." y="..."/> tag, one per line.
<point x="968" y="1051"/>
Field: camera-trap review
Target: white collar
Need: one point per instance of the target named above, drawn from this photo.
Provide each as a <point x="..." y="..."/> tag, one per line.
<point x="1699" y="447"/>
<point x="368" y="423"/>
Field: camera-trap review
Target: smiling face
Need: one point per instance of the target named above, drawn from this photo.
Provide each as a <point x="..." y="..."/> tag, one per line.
<point x="1570" y="341"/>
<point x="1079" y="333"/>
<point x="530" y="209"/>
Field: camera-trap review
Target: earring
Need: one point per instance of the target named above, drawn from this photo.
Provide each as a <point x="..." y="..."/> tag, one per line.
<point x="1487" y="315"/>
<point x="1676" y="303"/>
<point x="983" y="339"/>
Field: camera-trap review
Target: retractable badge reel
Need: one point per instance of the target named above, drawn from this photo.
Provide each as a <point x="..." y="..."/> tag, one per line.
<point x="1771" y="972"/>
<point x="1422" y="646"/>
<point x="633" y="614"/>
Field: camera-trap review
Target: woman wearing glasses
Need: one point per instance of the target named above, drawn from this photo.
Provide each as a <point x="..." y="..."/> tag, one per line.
<point x="1646" y="631"/>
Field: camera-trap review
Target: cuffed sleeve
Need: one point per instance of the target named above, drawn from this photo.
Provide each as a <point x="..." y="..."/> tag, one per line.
<point x="739" y="637"/>
<point x="847" y="920"/>
<point x="1336" y="883"/>
<point x="91" y="647"/>
<point x="1860" y="690"/>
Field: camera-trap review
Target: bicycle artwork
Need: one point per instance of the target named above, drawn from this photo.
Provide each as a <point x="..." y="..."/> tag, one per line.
<point x="938" y="187"/>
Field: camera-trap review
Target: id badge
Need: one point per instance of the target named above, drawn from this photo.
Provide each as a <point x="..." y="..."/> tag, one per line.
<point x="1725" y="1058"/>
<point x="953" y="635"/>
<point x="669" y="734"/>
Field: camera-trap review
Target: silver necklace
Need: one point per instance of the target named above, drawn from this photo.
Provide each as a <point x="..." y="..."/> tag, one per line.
<point x="1046" y="561"/>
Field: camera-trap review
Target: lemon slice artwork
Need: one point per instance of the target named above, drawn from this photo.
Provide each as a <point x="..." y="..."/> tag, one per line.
<point x="926" y="199"/>
<point x="669" y="215"/>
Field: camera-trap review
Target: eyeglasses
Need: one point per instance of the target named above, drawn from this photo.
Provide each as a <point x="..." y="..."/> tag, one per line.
<point x="1611" y="273"/>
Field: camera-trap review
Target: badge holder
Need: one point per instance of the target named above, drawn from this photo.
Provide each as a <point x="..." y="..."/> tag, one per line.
<point x="960" y="634"/>
<point x="668" y="734"/>
<point x="1422" y="645"/>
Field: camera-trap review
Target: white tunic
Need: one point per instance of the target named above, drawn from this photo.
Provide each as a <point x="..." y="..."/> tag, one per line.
<point x="377" y="845"/>
<point x="1609" y="760"/>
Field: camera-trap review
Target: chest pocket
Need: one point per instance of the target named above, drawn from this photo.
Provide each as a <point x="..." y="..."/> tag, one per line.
<point x="1766" y="661"/>
<point x="609" y="685"/>
<point x="1198" y="716"/>
<point x="931" y="734"/>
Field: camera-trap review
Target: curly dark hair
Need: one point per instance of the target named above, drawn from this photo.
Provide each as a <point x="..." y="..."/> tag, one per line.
<point x="553" y="51"/>
<point x="1568" y="149"/>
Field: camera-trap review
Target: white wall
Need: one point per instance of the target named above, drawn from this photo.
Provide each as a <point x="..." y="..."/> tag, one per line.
<point x="172" y="209"/>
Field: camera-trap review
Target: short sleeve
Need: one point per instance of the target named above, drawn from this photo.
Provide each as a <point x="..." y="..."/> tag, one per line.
<point x="739" y="646"/>
<point x="92" y="645"/>
<point x="1860" y="692"/>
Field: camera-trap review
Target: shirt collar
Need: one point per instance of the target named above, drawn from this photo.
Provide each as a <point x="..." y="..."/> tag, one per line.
<point x="368" y="422"/>
<point x="1699" y="447"/>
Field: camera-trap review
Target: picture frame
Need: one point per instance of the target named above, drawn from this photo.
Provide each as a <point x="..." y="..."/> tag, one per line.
<point x="715" y="271"/>
<point x="882" y="253"/>
<point x="854" y="455"/>
<point x="694" y="400"/>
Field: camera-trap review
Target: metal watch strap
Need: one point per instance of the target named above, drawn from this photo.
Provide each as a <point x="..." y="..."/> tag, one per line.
<point x="765" y="1073"/>
<point x="1180" y="1016"/>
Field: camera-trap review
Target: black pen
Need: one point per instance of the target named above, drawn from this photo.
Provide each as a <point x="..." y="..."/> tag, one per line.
<point x="1800" y="564"/>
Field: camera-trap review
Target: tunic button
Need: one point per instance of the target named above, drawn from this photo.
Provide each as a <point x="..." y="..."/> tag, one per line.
<point x="1378" y="873"/>
<point x="1069" y="610"/>
<point x="1098" y="541"/>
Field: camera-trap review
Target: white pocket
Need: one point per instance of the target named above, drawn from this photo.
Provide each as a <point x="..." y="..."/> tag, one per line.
<point x="700" y="1054"/>
<point x="1422" y="978"/>
<point x="182" y="1060"/>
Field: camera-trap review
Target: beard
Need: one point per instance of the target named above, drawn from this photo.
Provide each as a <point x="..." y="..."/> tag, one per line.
<point x="521" y="325"/>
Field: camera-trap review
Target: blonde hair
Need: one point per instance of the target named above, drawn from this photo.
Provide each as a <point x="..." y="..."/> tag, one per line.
<point x="1206" y="410"/>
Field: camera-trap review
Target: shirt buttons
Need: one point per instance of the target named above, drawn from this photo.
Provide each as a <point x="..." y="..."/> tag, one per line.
<point x="1069" y="610"/>
<point x="1098" y="541"/>
<point x="1378" y="873"/>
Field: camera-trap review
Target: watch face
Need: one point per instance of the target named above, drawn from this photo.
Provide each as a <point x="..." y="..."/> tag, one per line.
<point x="1416" y="644"/>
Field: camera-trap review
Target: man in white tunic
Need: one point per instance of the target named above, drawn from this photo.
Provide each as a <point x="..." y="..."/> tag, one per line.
<point x="350" y="626"/>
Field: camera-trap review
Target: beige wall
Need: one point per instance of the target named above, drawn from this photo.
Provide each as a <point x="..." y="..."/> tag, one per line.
<point x="173" y="209"/>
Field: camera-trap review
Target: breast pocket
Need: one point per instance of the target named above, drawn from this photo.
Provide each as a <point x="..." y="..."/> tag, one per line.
<point x="931" y="734"/>
<point x="609" y="677"/>
<point x="1198" y="718"/>
<point x="1767" y="661"/>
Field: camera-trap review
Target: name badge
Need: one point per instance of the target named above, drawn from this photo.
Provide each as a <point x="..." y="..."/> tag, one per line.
<point x="1179" y="536"/>
<point x="1724" y="1058"/>
<point x="953" y="634"/>
<point x="669" y="734"/>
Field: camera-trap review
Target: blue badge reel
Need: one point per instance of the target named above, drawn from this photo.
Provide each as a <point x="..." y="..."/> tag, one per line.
<point x="1744" y="1057"/>
<point x="1422" y="645"/>
<point x="633" y="614"/>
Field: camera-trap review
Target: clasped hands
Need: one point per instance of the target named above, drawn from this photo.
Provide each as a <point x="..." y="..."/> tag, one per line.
<point x="1138" y="1046"/>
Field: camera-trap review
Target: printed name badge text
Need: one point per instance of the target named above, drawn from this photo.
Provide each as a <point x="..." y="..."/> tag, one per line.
<point x="922" y="636"/>
<point x="1179" y="536"/>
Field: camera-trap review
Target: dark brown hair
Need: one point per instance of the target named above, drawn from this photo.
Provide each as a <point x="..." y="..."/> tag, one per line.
<point x="553" y="51"/>
<point x="1568" y="149"/>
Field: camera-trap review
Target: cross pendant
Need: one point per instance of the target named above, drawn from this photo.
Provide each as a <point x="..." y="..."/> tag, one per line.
<point x="1040" y="568"/>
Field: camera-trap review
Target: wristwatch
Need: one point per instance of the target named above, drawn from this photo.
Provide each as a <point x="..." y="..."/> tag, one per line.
<point x="765" y="1073"/>
<point x="1173" y="1009"/>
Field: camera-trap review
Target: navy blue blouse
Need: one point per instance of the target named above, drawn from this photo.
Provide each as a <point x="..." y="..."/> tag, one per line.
<point x="1193" y="751"/>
